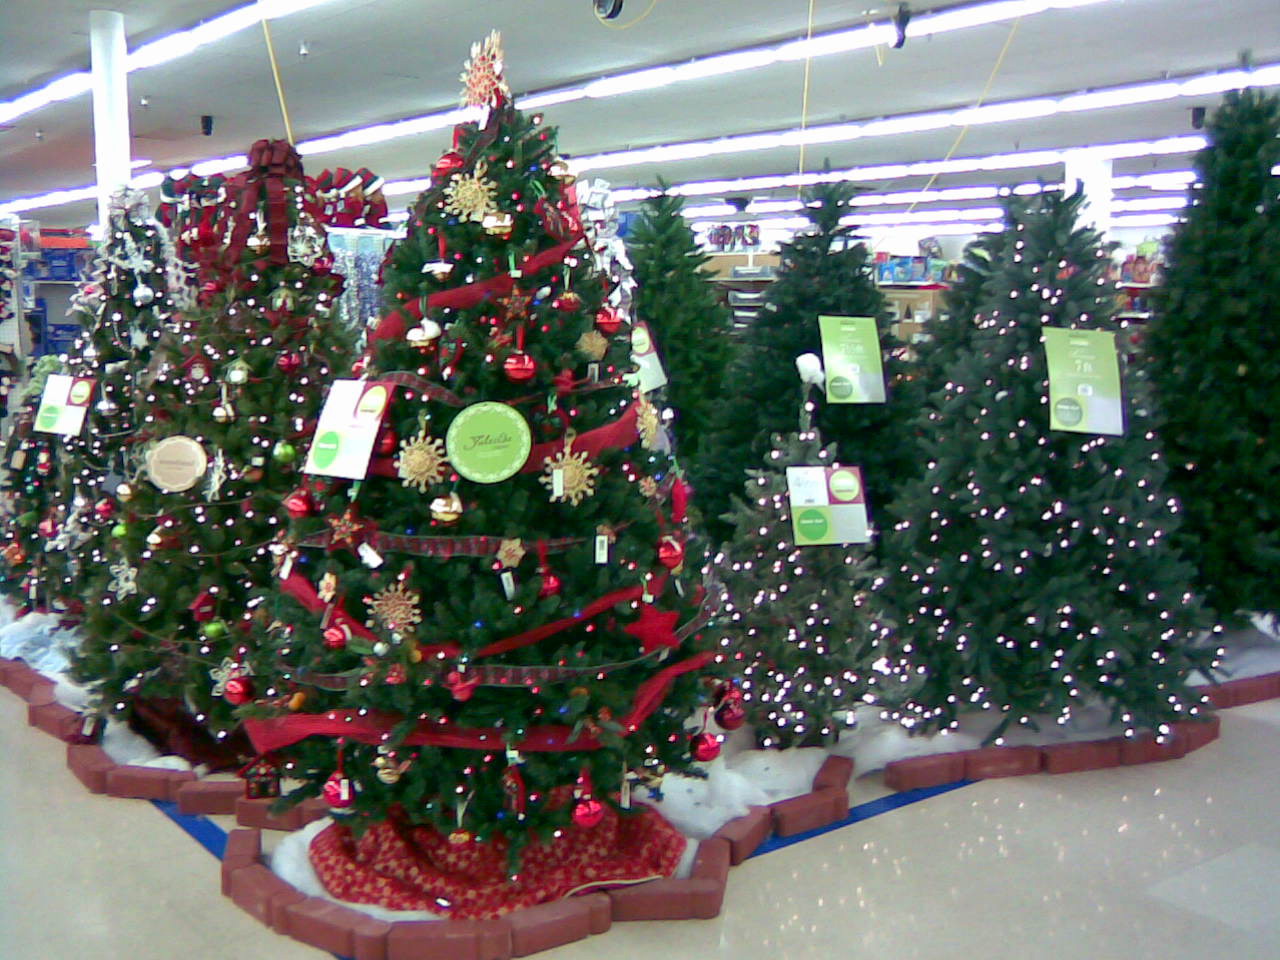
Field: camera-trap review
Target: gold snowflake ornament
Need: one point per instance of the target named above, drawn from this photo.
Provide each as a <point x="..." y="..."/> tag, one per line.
<point x="397" y="608"/>
<point x="510" y="553"/>
<point x="470" y="196"/>
<point x="593" y="345"/>
<point x="482" y="81"/>
<point x="648" y="424"/>
<point x="570" y="476"/>
<point x="422" y="462"/>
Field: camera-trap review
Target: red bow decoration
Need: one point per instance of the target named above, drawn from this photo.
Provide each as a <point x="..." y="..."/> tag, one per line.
<point x="271" y="163"/>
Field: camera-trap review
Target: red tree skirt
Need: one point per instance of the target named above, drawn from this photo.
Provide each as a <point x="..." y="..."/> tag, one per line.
<point x="419" y="868"/>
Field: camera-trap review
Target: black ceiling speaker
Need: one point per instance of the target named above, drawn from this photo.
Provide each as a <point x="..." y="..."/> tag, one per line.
<point x="1197" y="118"/>
<point x="608" y="9"/>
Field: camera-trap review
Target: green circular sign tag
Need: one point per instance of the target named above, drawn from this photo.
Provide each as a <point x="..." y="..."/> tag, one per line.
<point x="1069" y="411"/>
<point x="488" y="442"/>
<point x="48" y="417"/>
<point x="325" y="449"/>
<point x="844" y="485"/>
<point x="840" y="387"/>
<point x="812" y="525"/>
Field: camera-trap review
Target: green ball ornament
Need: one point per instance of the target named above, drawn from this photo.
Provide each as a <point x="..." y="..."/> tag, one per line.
<point x="284" y="452"/>
<point x="29" y="519"/>
<point x="120" y="531"/>
<point x="214" y="630"/>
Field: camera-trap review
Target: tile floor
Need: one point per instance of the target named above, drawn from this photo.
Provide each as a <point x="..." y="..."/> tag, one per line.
<point x="1170" y="861"/>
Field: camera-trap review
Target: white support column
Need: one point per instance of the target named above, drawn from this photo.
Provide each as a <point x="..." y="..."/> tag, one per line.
<point x="1091" y="173"/>
<point x="110" y="104"/>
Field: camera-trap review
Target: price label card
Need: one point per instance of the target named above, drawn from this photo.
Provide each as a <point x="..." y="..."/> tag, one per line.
<point x="828" y="505"/>
<point x="649" y="374"/>
<point x="1084" y="381"/>
<point x="348" y="428"/>
<point x="64" y="404"/>
<point x="851" y="356"/>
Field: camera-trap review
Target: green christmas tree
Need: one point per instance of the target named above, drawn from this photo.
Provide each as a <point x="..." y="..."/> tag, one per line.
<point x="824" y="272"/>
<point x="951" y="334"/>
<point x="503" y="600"/>
<point x="123" y="309"/>
<point x="804" y="623"/>
<point x="1211" y="346"/>
<point x="29" y="490"/>
<point x="675" y="297"/>
<point x="1036" y="569"/>
<point x="174" y="620"/>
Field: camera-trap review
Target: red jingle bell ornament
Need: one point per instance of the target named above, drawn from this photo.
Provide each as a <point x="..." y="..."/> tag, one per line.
<point x="551" y="584"/>
<point x="608" y="320"/>
<point x="448" y="164"/>
<point x="337" y="791"/>
<point x="336" y="636"/>
<point x="519" y="367"/>
<point x="731" y="715"/>
<point x="704" y="747"/>
<point x="47" y="528"/>
<point x="239" y="690"/>
<point x="568" y="302"/>
<point x="289" y="363"/>
<point x="460" y="685"/>
<point x="588" y="812"/>
<point x="299" y="504"/>
<point x="104" y="509"/>
<point x="670" y="552"/>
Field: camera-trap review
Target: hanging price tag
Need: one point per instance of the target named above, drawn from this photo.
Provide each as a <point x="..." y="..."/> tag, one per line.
<point x="370" y="557"/>
<point x="508" y="584"/>
<point x="87" y="725"/>
<point x="286" y="568"/>
<point x="602" y="549"/>
<point x="557" y="484"/>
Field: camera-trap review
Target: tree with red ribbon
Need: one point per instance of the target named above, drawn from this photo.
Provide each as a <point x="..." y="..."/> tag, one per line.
<point x="496" y="630"/>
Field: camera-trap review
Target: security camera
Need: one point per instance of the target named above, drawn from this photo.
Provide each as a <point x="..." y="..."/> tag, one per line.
<point x="607" y="9"/>
<point x="738" y="203"/>
<point x="206" y="124"/>
<point x="1197" y="118"/>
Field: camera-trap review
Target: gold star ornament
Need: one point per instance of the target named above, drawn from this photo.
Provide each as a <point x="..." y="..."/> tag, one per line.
<point x="422" y="462"/>
<point x="396" y="607"/>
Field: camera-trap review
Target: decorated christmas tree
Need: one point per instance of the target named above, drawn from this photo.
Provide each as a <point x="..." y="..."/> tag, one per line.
<point x="824" y="272"/>
<point x="30" y="501"/>
<point x="675" y="297"/>
<point x="801" y="611"/>
<point x="1212" y="346"/>
<point x="489" y="635"/>
<point x="123" y="309"/>
<point x="1037" y="572"/>
<point x="174" y="619"/>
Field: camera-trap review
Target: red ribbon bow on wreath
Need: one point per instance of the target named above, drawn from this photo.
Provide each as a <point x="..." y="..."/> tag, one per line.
<point x="271" y="163"/>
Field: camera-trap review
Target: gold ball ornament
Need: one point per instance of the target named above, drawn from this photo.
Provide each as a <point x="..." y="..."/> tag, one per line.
<point x="447" y="509"/>
<point x="124" y="492"/>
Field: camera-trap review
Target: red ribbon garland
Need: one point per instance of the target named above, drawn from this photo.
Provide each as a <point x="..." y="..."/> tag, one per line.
<point x="277" y="733"/>
<point x="396" y="323"/>
<point x="271" y="162"/>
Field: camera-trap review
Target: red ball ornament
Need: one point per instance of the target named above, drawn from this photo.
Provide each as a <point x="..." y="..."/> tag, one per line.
<point x="335" y="637"/>
<point x="47" y="528"/>
<point x="519" y="367"/>
<point x="449" y="164"/>
<point x="730" y="715"/>
<point x="704" y="747"/>
<point x="238" y="690"/>
<point x="337" y="791"/>
<point x="608" y="320"/>
<point x="551" y="585"/>
<point x="289" y="363"/>
<point x="299" y="504"/>
<point x="104" y="509"/>
<point x="588" y="813"/>
<point x="568" y="302"/>
<point x="670" y="552"/>
<point x="387" y="442"/>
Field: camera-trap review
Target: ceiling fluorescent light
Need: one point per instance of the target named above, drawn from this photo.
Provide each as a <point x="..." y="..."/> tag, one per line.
<point x="1146" y="220"/>
<point x="1147" y="204"/>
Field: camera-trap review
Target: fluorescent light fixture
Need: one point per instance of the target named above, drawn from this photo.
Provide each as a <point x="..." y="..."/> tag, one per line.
<point x="1009" y="111"/>
<point x="139" y="163"/>
<point x="207" y="168"/>
<point x="1173" y="180"/>
<point x="1146" y="220"/>
<point x="1147" y="204"/>
<point x="382" y="132"/>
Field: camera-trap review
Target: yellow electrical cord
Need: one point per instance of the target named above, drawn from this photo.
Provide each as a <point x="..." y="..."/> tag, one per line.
<point x="804" y="98"/>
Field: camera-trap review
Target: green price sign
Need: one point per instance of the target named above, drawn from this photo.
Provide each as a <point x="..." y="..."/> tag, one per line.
<point x="488" y="442"/>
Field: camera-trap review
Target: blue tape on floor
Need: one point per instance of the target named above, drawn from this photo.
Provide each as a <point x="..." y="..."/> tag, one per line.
<point x="207" y="833"/>
<point x="863" y="811"/>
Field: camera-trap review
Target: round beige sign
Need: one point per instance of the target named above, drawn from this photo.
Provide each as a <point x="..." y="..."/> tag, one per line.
<point x="175" y="464"/>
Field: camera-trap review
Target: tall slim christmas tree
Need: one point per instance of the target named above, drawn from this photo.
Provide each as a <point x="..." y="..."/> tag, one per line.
<point x="804" y="622"/>
<point x="1036" y="570"/>
<point x="1212" y="349"/>
<point x="174" y="618"/>
<point x="825" y="271"/>
<point x="491" y="635"/>
<point x="675" y="297"/>
<point x="124" y="309"/>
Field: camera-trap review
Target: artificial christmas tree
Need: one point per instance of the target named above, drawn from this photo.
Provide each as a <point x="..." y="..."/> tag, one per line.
<point x="135" y="289"/>
<point x="30" y="498"/>
<point x="174" y="618"/>
<point x="1212" y="346"/>
<point x="675" y="297"/>
<point x="803" y="622"/>
<point x="1036" y="572"/>
<point x="492" y="635"/>
<point x="825" y="272"/>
